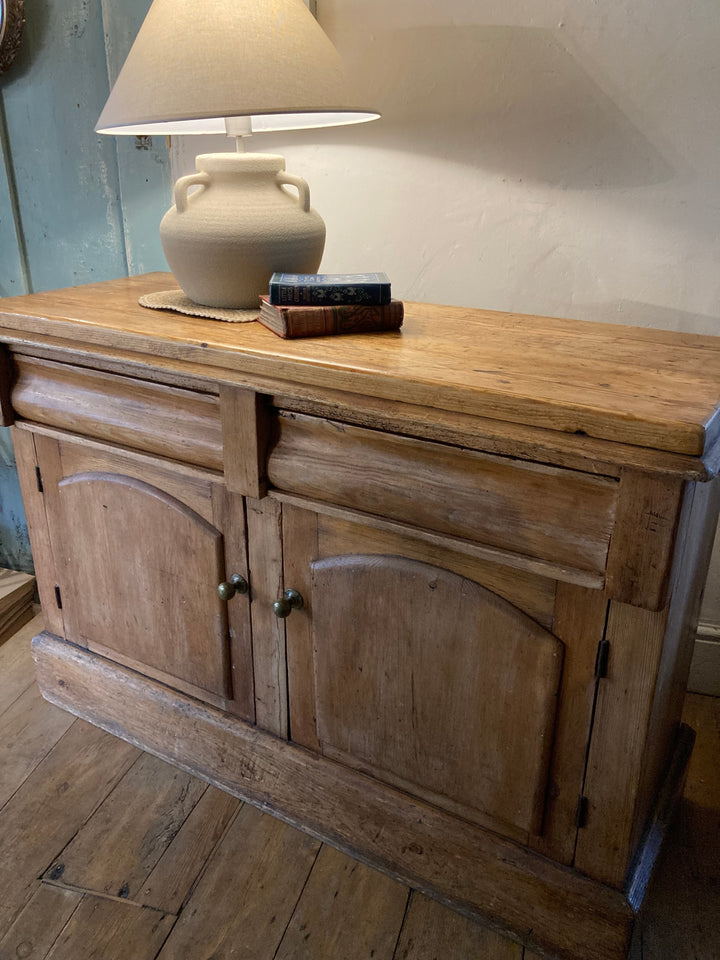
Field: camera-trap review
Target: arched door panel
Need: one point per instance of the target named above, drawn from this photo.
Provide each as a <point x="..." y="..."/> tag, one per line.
<point x="426" y="679"/>
<point x="144" y="584"/>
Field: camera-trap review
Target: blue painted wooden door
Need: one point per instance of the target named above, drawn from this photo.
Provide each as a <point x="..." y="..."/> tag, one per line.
<point x="74" y="206"/>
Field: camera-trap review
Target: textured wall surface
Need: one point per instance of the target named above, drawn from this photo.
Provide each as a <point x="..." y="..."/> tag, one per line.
<point x="557" y="157"/>
<point x="550" y="156"/>
<point x="14" y="546"/>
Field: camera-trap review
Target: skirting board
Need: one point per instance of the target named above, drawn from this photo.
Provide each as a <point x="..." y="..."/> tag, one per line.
<point x="705" y="669"/>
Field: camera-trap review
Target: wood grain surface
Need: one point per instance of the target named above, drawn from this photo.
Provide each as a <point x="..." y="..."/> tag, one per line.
<point x="619" y="740"/>
<point x="229" y="516"/>
<point x="438" y="543"/>
<point x="543" y="444"/>
<point x="150" y="433"/>
<point x="530" y="592"/>
<point x="430" y="932"/>
<point x="264" y="523"/>
<point x="346" y="910"/>
<point x="265" y="862"/>
<point x="40" y="922"/>
<point x="17" y="673"/>
<point x="647" y="387"/>
<point x="17" y="591"/>
<point x="300" y="542"/>
<point x="696" y="534"/>
<point x="640" y="701"/>
<point x="245" y="423"/>
<point x="641" y="550"/>
<point x="482" y="874"/>
<point x="177" y="870"/>
<point x="573" y="450"/>
<point x="456" y="666"/>
<point x="68" y="775"/>
<point x="165" y="610"/>
<point x="492" y="500"/>
<point x="119" y="842"/>
<point x="31" y="728"/>
<point x="579" y="621"/>
<point x="112" y="930"/>
<point x="159" y="419"/>
<point x="359" y="910"/>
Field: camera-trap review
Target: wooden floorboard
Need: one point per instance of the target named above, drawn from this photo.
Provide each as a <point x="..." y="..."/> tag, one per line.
<point x="16" y="597"/>
<point x="431" y="931"/>
<point x="17" y="671"/>
<point x="115" y="851"/>
<point x="102" y="929"/>
<point x="30" y="729"/>
<point x="243" y="903"/>
<point x="106" y="852"/>
<point x="346" y="910"/>
<point x="40" y="923"/>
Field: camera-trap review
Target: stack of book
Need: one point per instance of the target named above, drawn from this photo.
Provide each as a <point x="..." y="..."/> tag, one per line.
<point x="325" y="304"/>
<point x="16" y="596"/>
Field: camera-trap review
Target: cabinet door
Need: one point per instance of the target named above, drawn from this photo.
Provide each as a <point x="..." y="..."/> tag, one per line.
<point x="140" y="552"/>
<point x="427" y="680"/>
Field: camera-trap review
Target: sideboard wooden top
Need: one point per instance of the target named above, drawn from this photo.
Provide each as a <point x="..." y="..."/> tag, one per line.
<point x="650" y="388"/>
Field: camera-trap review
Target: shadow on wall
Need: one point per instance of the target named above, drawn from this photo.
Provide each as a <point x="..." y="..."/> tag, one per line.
<point x="635" y="313"/>
<point x="511" y="100"/>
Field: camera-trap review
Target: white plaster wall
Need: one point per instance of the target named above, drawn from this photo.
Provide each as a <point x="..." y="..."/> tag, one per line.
<point x="557" y="157"/>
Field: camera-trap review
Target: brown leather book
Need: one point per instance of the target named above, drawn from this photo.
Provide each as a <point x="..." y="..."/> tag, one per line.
<point x="315" y="321"/>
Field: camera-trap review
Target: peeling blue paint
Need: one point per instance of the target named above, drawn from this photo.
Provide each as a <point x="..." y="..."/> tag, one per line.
<point x="15" y="551"/>
<point x="74" y="207"/>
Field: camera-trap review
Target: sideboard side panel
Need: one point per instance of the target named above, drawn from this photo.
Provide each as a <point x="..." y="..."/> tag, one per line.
<point x="697" y="532"/>
<point x="24" y="443"/>
<point x="640" y="701"/>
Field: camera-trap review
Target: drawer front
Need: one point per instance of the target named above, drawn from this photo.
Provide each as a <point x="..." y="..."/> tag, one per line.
<point x="563" y="517"/>
<point x="167" y="421"/>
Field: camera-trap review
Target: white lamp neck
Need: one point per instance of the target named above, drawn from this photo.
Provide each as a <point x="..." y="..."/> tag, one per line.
<point x="239" y="128"/>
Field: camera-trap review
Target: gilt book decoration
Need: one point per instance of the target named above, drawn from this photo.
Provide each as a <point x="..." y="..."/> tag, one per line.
<point x="320" y="321"/>
<point x="300" y="289"/>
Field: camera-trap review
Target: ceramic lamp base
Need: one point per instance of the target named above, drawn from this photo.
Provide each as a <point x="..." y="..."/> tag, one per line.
<point x="224" y="241"/>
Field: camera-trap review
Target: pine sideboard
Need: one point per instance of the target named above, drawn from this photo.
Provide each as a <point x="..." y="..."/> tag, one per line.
<point x="429" y="595"/>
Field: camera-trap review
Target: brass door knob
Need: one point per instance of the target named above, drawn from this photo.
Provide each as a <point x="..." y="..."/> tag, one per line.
<point x="236" y="584"/>
<point x="290" y="600"/>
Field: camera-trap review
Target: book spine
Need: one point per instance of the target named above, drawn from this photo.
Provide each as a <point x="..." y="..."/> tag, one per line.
<point x="319" y="294"/>
<point x="324" y="321"/>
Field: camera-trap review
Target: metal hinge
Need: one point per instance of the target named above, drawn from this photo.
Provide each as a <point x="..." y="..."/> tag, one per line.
<point x="581" y="812"/>
<point x="58" y="598"/>
<point x="38" y="479"/>
<point x="601" y="659"/>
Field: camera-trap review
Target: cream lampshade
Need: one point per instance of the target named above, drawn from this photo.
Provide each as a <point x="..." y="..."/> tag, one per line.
<point x="236" y="67"/>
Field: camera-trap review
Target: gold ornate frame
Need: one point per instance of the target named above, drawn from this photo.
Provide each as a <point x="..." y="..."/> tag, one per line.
<point x="12" y="20"/>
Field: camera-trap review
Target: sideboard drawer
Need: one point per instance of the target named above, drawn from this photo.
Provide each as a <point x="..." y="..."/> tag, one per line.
<point x="167" y="421"/>
<point x="561" y="516"/>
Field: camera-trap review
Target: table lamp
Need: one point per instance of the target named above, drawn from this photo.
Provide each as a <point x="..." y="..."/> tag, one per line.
<point x="236" y="67"/>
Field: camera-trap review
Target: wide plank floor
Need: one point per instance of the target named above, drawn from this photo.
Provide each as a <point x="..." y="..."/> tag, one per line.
<point x="107" y="853"/>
